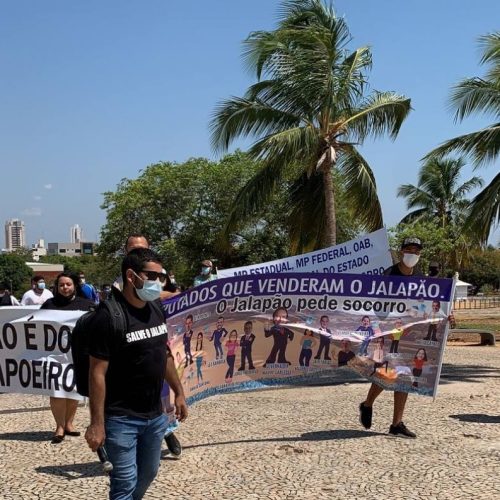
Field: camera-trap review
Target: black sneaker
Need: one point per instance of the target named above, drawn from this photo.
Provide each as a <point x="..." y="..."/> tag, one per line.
<point x="173" y="445"/>
<point x="401" y="430"/>
<point x="365" y="415"/>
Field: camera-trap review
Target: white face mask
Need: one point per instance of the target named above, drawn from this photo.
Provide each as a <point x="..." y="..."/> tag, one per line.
<point x="410" y="259"/>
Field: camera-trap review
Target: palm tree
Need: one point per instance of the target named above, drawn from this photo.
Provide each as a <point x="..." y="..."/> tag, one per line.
<point x="438" y="195"/>
<point x="308" y="112"/>
<point x="480" y="95"/>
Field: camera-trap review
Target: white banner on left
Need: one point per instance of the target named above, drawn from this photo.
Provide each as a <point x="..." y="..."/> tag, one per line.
<point x="35" y="353"/>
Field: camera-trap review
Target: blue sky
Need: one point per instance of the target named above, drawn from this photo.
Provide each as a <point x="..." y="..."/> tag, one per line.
<point x="92" y="92"/>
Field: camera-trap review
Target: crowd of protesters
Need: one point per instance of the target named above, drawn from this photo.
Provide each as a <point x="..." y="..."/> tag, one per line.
<point x="126" y="379"/>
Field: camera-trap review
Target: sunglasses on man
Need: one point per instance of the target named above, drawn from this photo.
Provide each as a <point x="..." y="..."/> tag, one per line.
<point x="153" y="276"/>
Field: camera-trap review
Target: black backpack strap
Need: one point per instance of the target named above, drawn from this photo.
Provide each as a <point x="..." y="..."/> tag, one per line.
<point x="118" y="318"/>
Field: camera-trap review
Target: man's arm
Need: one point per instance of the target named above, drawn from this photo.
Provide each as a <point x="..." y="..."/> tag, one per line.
<point x="172" y="379"/>
<point x="95" y="434"/>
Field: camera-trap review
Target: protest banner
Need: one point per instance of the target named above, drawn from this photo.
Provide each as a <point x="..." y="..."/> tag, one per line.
<point x="35" y="355"/>
<point x="252" y="331"/>
<point x="368" y="254"/>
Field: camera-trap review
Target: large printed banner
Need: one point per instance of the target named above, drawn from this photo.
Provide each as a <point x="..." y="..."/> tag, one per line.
<point x="35" y="355"/>
<point x="369" y="254"/>
<point x="252" y="331"/>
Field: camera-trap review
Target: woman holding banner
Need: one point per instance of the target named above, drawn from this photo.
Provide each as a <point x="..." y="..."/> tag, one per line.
<point x="66" y="298"/>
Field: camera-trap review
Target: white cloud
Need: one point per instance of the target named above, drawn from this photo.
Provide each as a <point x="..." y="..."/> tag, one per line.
<point x="47" y="186"/>
<point x="37" y="198"/>
<point x="32" y="212"/>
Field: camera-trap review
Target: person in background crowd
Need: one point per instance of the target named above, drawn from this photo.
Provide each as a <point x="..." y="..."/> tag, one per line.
<point x="105" y="292"/>
<point x="88" y="291"/>
<point x="6" y="299"/>
<point x="38" y="294"/>
<point x="67" y="298"/>
<point x="433" y="269"/>
<point x="206" y="274"/>
<point x="126" y="380"/>
<point x="138" y="240"/>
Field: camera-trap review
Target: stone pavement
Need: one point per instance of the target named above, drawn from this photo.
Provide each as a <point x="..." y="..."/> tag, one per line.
<point x="289" y="443"/>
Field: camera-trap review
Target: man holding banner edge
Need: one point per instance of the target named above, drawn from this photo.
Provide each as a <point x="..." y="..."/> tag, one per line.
<point x="409" y="256"/>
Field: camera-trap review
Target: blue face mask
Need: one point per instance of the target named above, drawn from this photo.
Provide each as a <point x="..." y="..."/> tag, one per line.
<point x="40" y="285"/>
<point x="205" y="270"/>
<point x="150" y="290"/>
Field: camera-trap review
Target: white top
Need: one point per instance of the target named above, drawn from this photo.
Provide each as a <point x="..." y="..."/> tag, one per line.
<point x="30" y="298"/>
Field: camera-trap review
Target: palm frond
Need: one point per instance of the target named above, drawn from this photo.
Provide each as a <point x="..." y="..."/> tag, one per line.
<point x="475" y="95"/>
<point x="382" y="112"/>
<point x="361" y="188"/>
<point x="466" y="187"/>
<point x="351" y="80"/>
<point x="415" y="216"/>
<point x="299" y="144"/>
<point x="239" y="117"/>
<point x="415" y="197"/>
<point x="491" y="54"/>
<point x="253" y="196"/>
<point x="482" y="146"/>
<point x="485" y="210"/>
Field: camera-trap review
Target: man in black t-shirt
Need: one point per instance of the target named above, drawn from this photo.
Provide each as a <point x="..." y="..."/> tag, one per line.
<point x="126" y="376"/>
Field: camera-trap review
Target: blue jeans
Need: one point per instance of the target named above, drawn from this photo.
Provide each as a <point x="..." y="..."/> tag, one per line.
<point x="134" y="448"/>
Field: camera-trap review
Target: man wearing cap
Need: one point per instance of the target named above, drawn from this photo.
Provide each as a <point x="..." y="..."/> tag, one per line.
<point x="206" y="274"/>
<point x="409" y="256"/>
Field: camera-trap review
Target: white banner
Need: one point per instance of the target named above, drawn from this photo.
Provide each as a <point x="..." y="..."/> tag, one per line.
<point x="35" y="353"/>
<point x="369" y="254"/>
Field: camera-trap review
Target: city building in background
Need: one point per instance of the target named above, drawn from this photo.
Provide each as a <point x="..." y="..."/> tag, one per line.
<point x="38" y="250"/>
<point x="15" y="235"/>
<point x="76" y="234"/>
<point x="71" y="249"/>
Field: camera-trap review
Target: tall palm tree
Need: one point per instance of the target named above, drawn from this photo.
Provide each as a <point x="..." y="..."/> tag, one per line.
<point x="480" y="95"/>
<point x="438" y="195"/>
<point x="308" y="112"/>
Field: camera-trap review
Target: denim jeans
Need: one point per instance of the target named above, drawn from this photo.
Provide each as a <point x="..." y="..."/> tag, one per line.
<point x="134" y="447"/>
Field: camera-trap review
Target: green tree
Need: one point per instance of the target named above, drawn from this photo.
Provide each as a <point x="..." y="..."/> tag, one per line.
<point x="183" y="209"/>
<point x="15" y="273"/>
<point x="438" y="195"/>
<point x="98" y="269"/>
<point x="483" y="269"/>
<point x="472" y="96"/>
<point x="309" y="108"/>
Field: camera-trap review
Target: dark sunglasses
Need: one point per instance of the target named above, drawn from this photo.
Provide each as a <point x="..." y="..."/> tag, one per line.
<point x="153" y="276"/>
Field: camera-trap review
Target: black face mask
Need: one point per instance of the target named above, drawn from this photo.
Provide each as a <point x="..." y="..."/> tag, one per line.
<point x="433" y="271"/>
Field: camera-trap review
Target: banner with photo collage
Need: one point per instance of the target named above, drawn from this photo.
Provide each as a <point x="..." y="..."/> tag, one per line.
<point x="254" y="331"/>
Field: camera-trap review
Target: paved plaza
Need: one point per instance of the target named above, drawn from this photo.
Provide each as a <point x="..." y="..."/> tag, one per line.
<point x="289" y="443"/>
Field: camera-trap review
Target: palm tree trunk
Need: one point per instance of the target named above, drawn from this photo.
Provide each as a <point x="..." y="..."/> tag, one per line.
<point x="330" y="237"/>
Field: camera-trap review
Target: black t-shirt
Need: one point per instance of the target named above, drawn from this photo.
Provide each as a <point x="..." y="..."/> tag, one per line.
<point x="136" y="358"/>
<point x="395" y="271"/>
<point x="63" y="304"/>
